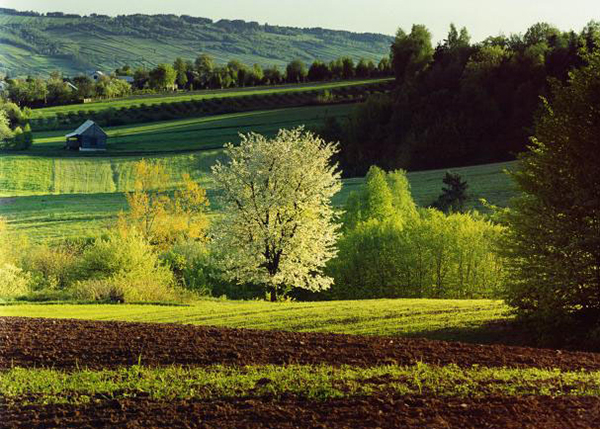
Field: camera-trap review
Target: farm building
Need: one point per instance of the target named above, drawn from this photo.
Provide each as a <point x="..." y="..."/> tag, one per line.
<point x="96" y="75"/>
<point x="89" y="136"/>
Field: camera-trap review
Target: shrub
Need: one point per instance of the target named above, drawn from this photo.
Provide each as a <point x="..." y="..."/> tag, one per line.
<point x="14" y="281"/>
<point x="52" y="268"/>
<point x="190" y="263"/>
<point x="122" y="266"/>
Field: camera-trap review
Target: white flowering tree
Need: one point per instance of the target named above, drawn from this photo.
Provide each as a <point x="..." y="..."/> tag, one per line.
<point x="278" y="226"/>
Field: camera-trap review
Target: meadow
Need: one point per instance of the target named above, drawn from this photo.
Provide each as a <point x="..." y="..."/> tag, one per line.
<point x="436" y="319"/>
<point x="87" y="195"/>
<point x="49" y="193"/>
<point x="195" y="133"/>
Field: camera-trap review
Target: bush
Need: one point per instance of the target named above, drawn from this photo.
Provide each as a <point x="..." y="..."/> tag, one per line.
<point x="52" y="268"/>
<point x="190" y="263"/>
<point x="14" y="282"/>
<point x="123" y="268"/>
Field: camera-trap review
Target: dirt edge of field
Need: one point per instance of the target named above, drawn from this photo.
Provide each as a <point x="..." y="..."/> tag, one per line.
<point x="293" y="412"/>
<point x="69" y="344"/>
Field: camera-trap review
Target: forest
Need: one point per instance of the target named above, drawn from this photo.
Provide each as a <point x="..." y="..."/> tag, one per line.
<point x="459" y="103"/>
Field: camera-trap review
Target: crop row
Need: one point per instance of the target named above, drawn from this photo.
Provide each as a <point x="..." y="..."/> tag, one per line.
<point x="213" y="106"/>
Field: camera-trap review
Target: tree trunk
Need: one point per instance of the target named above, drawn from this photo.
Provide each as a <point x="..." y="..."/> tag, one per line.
<point x="273" y="295"/>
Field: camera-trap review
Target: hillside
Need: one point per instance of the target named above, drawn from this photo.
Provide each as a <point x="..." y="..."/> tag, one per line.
<point x="38" y="44"/>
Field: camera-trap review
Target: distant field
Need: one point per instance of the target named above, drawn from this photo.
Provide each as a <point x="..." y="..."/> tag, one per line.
<point x="203" y="95"/>
<point x="437" y="319"/>
<point x="88" y="204"/>
<point x="196" y="133"/>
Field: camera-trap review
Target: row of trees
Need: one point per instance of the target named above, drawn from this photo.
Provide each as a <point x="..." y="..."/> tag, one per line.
<point x="205" y="73"/>
<point x="392" y="249"/>
<point x="57" y="90"/>
<point x="460" y="103"/>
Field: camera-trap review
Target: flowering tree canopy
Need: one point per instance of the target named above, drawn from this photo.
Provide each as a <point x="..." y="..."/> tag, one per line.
<point x="278" y="226"/>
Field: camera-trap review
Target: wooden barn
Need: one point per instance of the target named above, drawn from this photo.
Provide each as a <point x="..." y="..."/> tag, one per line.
<point x="88" y="137"/>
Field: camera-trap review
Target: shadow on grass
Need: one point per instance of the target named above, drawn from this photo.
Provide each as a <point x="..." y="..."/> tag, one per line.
<point x="513" y="332"/>
<point x="503" y="332"/>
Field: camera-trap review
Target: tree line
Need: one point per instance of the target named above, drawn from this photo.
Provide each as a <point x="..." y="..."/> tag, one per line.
<point x="459" y="103"/>
<point x="202" y="73"/>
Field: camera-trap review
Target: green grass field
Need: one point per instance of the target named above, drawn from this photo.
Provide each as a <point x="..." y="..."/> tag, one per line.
<point x="196" y="133"/>
<point x="437" y="319"/>
<point x="50" y="193"/>
<point x="83" y="196"/>
<point x="202" y="95"/>
<point x="318" y="382"/>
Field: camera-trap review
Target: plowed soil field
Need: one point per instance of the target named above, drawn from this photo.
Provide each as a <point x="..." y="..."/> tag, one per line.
<point x="71" y="344"/>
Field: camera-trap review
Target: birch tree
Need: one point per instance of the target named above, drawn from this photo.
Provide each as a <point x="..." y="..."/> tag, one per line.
<point x="278" y="226"/>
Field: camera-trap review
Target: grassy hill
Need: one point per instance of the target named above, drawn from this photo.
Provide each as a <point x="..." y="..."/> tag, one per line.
<point x="40" y="44"/>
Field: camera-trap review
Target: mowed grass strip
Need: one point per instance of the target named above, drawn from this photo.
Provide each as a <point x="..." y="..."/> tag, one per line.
<point x="311" y="382"/>
<point x="204" y="95"/>
<point x="465" y="320"/>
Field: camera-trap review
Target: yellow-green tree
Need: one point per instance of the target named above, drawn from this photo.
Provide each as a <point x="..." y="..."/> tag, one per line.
<point x="162" y="217"/>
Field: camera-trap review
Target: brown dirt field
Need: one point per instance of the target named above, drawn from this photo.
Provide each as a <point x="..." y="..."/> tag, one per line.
<point x="374" y="412"/>
<point x="68" y="344"/>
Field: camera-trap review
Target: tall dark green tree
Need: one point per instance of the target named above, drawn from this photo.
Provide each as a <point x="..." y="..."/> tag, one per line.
<point x="454" y="194"/>
<point x="411" y="53"/>
<point x="180" y="67"/>
<point x="296" y="72"/>
<point x="553" y="242"/>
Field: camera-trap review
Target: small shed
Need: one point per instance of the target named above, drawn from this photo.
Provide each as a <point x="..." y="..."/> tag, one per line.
<point x="88" y="137"/>
<point x="96" y="75"/>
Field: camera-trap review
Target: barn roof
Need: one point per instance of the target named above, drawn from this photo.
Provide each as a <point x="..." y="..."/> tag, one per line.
<point x="82" y="128"/>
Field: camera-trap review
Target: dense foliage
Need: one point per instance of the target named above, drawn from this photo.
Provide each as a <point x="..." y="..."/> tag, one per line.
<point x="391" y="249"/>
<point x="553" y="241"/>
<point x="460" y="103"/>
<point x="15" y="131"/>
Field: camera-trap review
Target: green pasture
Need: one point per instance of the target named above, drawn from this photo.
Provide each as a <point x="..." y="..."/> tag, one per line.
<point x="196" y="133"/>
<point x="49" y="199"/>
<point x="201" y="95"/>
<point x="438" y="319"/>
